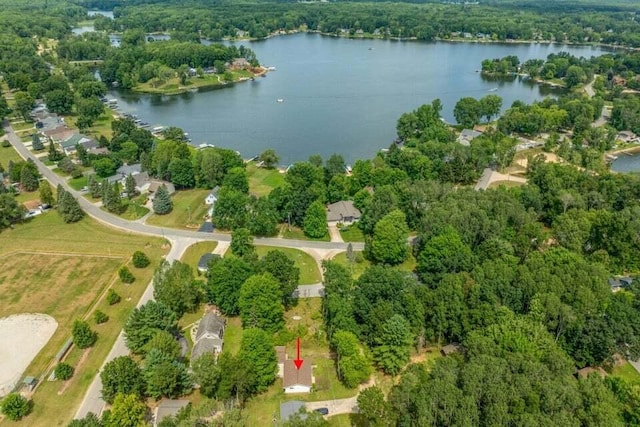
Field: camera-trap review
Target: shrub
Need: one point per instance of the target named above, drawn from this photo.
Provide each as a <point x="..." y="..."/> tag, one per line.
<point x="6" y="143"/>
<point x="100" y="317"/>
<point x="125" y="275"/>
<point x="63" y="371"/>
<point x="113" y="297"/>
<point x="83" y="336"/>
<point x="140" y="260"/>
<point x="76" y="173"/>
<point x="14" y="406"/>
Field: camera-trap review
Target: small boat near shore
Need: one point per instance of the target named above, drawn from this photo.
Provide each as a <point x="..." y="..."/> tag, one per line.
<point x="280" y="100"/>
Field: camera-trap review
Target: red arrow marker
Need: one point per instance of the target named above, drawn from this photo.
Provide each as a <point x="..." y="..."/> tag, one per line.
<point x="298" y="361"/>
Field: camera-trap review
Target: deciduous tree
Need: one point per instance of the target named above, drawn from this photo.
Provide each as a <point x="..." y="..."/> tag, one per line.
<point x="121" y="375"/>
<point x="315" y="220"/>
<point x="389" y="244"/>
<point x="260" y="303"/>
<point x="145" y="321"/>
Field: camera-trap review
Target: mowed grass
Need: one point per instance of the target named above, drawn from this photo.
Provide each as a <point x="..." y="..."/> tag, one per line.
<point x="309" y="271"/>
<point x="193" y="253"/>
<point x="295" y="233"/>
<point x="626" y="372"/>
<point x="352" y="233"/>
<point x="188" y="211"/>
<point x="7" y="154"/>
<point x="55" y="280"/>
<point x="262" y="181"/>
<point x="360" y="265"/>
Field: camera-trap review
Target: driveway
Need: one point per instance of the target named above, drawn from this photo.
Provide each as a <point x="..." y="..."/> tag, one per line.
<point x="335" y="407"/>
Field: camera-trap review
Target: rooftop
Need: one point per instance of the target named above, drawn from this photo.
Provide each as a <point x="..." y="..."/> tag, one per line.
<point x="342" y="210"/>
<point x="294" y="376"/>
<point x="210" y="324"/>
<point x="288" y="409"/>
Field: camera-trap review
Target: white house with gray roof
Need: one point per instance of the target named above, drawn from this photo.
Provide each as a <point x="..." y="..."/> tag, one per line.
<point x="209" y="336"/>
<point x="343" y="211"/>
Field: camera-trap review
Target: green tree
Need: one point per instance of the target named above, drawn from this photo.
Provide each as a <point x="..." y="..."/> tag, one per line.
<point x="224" y="280"/>
<point x="284" y="270"/>
<point x="36" y="142"/>
<point x="130" y="186"/>
<point x="83" y="336"/>
<point x="121" y="375"/>
<point x="241" y="242"/>
<point x="113" y="297"/>
<point x="174" y="286"/>
<point x="315" y="220"/>
<point x="260" y="303"/>
<point x="144" y="322"/>
<point x="140" y="259"/>
<point x="393" y="346"/>
<point x="104" y="167"/>
<point x="373" y="408"/>
<point x="353" y="366"/>
<point x="63" y="371"/>
<point x="165" y="376"/>
<point x="181" y="172"/>
<point x="91" y="420"/>
<point x="206" y="374"/>
<point x="236" y="179"/>
<point x="10" y="211"/>
<point x="89" y="109"/>
<point x="68" y="207"/>
<point x="162" y="203"/>
<point x="29" y="176"/>
<point x="444" y="253"/>
<point x="269" y="158"/>
<point x="389" y="244"/>
<point x="59" y="101"/>
<point x="259" y="357"/>
<point x="127" y="411"/>
<point x="166" y="343"/>
<point x="125" y="275"/>
<point x="23" y="104"/>
<point x="94" y="187"/>
<point x="575" y="76"/>
<point x="335" y="165"/>
<point x="112" y="200"/>
<point x="15" y="407"/>
<point x="467" y="112"/>
<point x="100" y="317"/>
<point x="46" y="195"/>
<point x="490" y="106"/>
<point x="53" y="154"/>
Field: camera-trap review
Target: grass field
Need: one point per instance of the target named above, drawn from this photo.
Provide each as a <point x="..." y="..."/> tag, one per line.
<point x="173" y="85"/>
<point x="309" y="271"/>
<point x="7" y="154"/>
<point x="78" y="183"/>
<point x="294" y="232"/>
<point x="626" y="372"/>
<point x="64" y="270"/>
<point x="262" y="181"/>
<point x="188" y="210"/>
<point x="357" y="268"/>
<point x="102" y="126"/>
<point x="193" y="253"/>
<point x="352" y="233"/>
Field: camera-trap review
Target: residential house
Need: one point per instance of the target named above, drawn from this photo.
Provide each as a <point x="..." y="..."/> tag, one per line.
<point x="59" y="134"/>
<point x="212" y="197"/>
<point x="98" y="150"/>
<point x="627" y="137"/>
<point x="585" y="372"/>
<point x="450" y="349"/>
<point x="167" y="408"/>
<point x="133" y="169"/>
<point x="239" y="64"/>
<point x="466" y="136"/>
<point x="69" y="145"/>
<point x="209" y="336"/>
<point x="156" y="183"/>
<point x="296" y="380"/>
<point x="143" y="182"/>
<point x="342" y="211"/>
<point x="203" y="263"/>
<point x="290" y="408"/>
<point x="619" y="283"/>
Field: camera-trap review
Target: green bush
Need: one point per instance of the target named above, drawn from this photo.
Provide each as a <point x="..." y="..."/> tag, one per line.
<point x="14" y="406"/>
<point x="113" y="297"/>
<point x="125" y="275"/>
<point x="100" y="317"/>
<point x="6" y="143"/>
<point x="140" y="259"/>
<point x="63" y="371"/>
<point x="83" y="336"/>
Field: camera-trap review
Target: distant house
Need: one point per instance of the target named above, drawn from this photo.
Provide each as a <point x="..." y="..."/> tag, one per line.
<point x="466" y="136"/>
<point x="342" y="211"/>
<point x="585" y="372"/>
<point x="133" y="169"/>
<point x="239" y="64"/>
<point x="296" y="380"/>
<point x="290" y="408"/>
<point x="59" y="134"/>
<point x="212" y="197"/>
<point x="450" y="349"/>
<point x="627" y="137"/>
<point x="143" y="182"/>
<point x="69" y="145"/>
<point x="203" y="263"/>
<point x="167" y="408"/>
<point x="209" y="336"/>
<point x="98" y="150"/>
<point x="156" y="183"/>
<point x="619" y="283"/>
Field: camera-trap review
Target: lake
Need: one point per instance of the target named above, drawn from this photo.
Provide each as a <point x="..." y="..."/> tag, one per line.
<point x="338" y="95"/>
<point x="626" y="162"/>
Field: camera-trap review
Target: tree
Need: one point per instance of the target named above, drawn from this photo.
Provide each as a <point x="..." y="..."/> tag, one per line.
<point x="145" y="321"/>
<point x="181" y="172"/>
<point x="575" y="76"/>
<point x="467" y="112"/>
<point x="490" y="106"/>
<point x="260" y="303"/>
<point x="224" y="280"/>
<point x="389" y="243"/>
<point x="36" y="142"/>
<point x="89" y="109"/>
<point x="174" y="286"/>
<point x="53" y="154"/>
<point x="29" y="176"/>
<point x="91" y="420"/>
<point x="130" y="186"/>
<point x="94" y="186"/>
<point x="127" y="411"/>
<point x="162" y="203"/>
<point x="100" y="317"/>
<point x="269" y="158"/>
<point x="335" y="165"/>
<point x="444" y="253"/>
<point x="59" y="101"/>
<point x="236" y="179"/>
<point x="373" y="408"/>
<point x="68" y="207"/>
<point x="121" y="375"/>
<point x="140" y="259"/>
<point x="241" y="242"/>
<point x="15" y="407"/>
<point x="23" y="104"/>
<point x="83" y="336"/>
<point x="284" y="270"/>
<point x="230" y="211"/>
<point x="125" y="275"/>
<point x="46" y="195"/>
<point x="10" y="211"/>
<point x="259" y="358"/>
<point x="113" y="297"/>
<point x="112" y="200"/>
<point x="262" y="217"/>
<point x="392" y="350"/>
<point x="104" y="167"/>
<point x="165" y="376"/>
<point x="315" y="220"/>
<point x="63" y="371"/>
<point x="306" y="419"/>
<point x="206" y="374"/>
<point x="353" y="366"/>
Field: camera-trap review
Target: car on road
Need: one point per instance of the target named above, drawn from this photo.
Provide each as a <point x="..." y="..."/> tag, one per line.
<point x="323" y="411"/>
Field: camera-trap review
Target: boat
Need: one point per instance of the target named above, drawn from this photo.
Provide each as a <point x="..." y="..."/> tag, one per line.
<point x="271" y="68"/>
<point x="493" y="90"/>
<point x="280" y="100"/>
<point x="611" y="157"/>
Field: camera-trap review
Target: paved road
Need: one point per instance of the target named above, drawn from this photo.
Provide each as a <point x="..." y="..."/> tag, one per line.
<point x="335" y="407"/>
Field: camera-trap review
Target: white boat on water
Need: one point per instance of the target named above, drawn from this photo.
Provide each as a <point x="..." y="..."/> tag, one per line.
<point x="279" y="100"/>
<point x="271" y="68"/>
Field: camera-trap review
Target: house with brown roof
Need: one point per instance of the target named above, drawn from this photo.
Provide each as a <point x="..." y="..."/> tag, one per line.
<point x="343" y="211"/>
<point x="297" y="380"/>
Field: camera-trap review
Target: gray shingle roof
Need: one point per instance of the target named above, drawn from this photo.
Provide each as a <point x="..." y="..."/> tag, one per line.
<point x="342" y="210"/>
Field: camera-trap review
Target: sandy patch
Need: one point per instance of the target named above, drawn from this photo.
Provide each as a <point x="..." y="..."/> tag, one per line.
<point x="22" y="336"/>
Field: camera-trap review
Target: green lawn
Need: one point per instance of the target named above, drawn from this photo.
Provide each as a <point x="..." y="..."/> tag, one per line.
<point x="262" y="181"/>
<point x="134" y="210"/>
<point x="22" y="126"/>
<point x="78" y="183"/>
<point x="102" y="126"/>
<point x="352" y="233"/>
<point x="77" y="262"/>
<point x="309" y="271"/>
<point x="297" y="234"/>
<point x="360" y="265"/>
<point x="174" y="86"/>
<point x="188" y="211"/>
<point x="194" y="252"/>
<point x="627" y="372"/>
<point x="7" y="154"/>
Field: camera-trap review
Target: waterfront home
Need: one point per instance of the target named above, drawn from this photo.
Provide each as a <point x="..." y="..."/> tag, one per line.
<point x="627" y="137"/>
<point x="466" y="136"/>
<point x="69" y="145"/>
<point x="343" y="211"/>
<point x="212" y="197"/>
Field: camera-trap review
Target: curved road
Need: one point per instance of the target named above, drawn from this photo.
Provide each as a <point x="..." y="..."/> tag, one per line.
<point x="180" y="240"/>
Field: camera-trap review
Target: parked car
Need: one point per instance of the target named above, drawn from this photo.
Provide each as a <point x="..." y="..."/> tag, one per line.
<point x="323" y="411"/>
